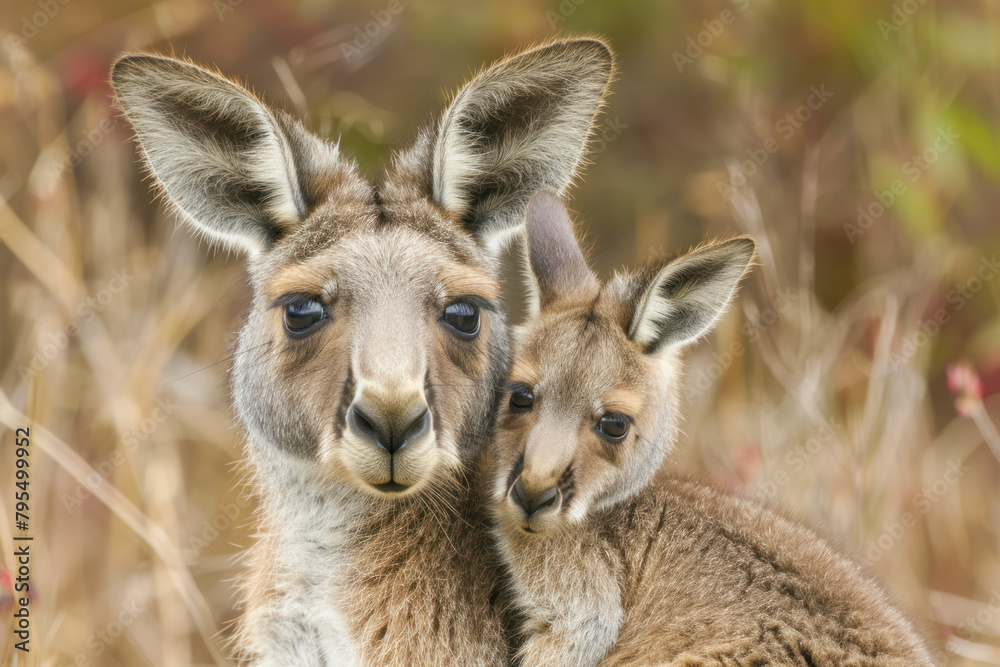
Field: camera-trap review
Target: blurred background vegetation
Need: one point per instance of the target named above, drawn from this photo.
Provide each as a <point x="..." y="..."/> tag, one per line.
<point x="857" y="382"/>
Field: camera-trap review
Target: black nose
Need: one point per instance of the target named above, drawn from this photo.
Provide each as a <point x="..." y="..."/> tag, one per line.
<point x="390" y="432"/>
<point x="530" y="502"/>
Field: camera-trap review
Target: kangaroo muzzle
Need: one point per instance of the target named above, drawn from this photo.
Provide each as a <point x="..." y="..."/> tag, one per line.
<point x="387" y="420"/>
<point x="548" y="454"/>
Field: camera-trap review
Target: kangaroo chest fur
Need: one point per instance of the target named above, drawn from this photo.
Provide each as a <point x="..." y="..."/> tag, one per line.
<point x="684" y="574"/>
<point x="336" y="580"/>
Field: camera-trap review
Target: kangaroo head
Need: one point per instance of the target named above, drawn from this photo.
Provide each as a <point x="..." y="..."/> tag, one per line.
<point x="374" y="340"/>
<point x="590" y="411"/>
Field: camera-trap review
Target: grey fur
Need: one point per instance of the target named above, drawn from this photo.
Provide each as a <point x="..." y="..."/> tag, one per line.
<point x="345" y="571"/>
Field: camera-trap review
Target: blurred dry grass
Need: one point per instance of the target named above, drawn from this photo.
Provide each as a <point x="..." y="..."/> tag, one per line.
<point x="826" y="389"/>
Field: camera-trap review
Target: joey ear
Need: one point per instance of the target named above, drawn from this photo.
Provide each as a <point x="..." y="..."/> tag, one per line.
<point x="518" y="127"/>
<point x="222" y="158"/>
<point x="678" y="303"/>
<point x="554" y="255"/>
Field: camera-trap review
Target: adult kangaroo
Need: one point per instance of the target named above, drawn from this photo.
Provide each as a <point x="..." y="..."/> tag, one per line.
<point x="367" y="373"/>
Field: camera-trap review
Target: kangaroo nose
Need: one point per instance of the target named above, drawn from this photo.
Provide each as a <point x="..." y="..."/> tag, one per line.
<point x="533" y="503"/>
<point x="388" y="428"/>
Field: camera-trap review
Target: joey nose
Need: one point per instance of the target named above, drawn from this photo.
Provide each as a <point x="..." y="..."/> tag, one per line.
<point x="387" y="427"/>
<point x="531" y="502"/>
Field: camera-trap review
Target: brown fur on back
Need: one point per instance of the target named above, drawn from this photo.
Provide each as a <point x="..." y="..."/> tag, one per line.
<point x="737" y="581"/>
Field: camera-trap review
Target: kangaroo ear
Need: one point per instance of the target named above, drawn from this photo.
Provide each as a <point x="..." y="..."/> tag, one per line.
<point x="676" y="304"/>
<point x="518" y="127"/>
<point x="554" y="256"/>
<point x="225" y="162"/>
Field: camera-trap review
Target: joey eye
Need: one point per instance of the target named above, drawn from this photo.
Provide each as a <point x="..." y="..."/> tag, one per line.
<point x="302" y="315"/>
<point x="463" y="318"/>
<point x="613" y="426"/>
<point x="522" y="397"/>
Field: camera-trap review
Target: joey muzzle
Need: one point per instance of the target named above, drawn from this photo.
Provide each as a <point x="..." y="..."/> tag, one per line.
<point x="532" y="502"/>
<point x="546" y="464"/>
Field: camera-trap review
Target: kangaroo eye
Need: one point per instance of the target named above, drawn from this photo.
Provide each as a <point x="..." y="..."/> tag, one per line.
<point x="463" y="318"/>
<point x="302" y="315"/>
<point x="613" y="426"/>
<point x="522" y="398"/>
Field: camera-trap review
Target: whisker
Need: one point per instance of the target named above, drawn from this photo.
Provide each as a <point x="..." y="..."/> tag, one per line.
<point x="231" y="357"/>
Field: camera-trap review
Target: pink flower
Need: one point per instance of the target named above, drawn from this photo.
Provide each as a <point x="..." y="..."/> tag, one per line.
<point x="967" y="387"/>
